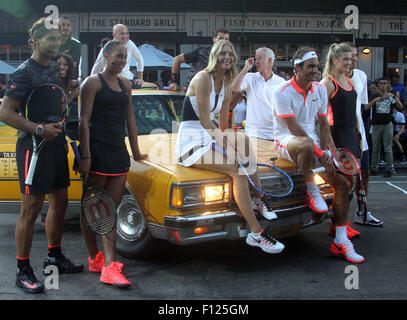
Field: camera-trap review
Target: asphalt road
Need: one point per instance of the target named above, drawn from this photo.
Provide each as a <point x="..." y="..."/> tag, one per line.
<point x="232" y="270"/>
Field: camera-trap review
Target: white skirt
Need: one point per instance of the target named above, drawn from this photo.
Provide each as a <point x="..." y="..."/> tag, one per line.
<point x="193" y="141"/>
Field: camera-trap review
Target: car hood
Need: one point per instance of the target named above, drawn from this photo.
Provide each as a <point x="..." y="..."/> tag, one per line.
<point x="160" y="149"/>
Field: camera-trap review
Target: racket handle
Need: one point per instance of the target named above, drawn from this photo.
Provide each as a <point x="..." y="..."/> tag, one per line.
<point x="317" y="170"/>
<point x="76" y="151"/>
<point x="31" y="170"/>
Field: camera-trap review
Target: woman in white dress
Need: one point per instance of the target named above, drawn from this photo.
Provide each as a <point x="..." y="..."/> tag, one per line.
<point x="200" y="141"/>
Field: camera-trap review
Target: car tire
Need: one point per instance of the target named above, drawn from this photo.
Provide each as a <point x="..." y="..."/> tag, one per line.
<point x="134" y="239"/>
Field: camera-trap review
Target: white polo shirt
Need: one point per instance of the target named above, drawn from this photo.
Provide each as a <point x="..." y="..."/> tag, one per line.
<point x="289" y="100"/>
<point x="360" y="80"/>
<point x="259" y="113"/>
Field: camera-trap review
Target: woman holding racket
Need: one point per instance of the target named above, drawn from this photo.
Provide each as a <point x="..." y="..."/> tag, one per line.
<point x="26" y="99"/>
<point x="200" y="143"/>
<point x="106" y="111"/>
<point x="342" y="106"/>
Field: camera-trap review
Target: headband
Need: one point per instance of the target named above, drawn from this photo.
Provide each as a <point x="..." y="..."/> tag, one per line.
<point x="305" y="57"/>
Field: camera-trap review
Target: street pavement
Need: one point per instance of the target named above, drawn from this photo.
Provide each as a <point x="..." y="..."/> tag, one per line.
<point x="232" y="270"/>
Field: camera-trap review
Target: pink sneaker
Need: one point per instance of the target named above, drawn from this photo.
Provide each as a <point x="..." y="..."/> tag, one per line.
<point x="97" y="264"/>
<point x="113" y="275"/>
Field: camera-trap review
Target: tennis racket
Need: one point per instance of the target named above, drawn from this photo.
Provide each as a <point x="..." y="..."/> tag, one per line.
<point x="282" y="183"/>
<point x="346" y="163"/>
<point x="45" y="104"/>
<point x="97" y="207"/>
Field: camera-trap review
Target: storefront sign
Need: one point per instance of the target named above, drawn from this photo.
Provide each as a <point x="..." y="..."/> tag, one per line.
<point x="394" y="26"/>
<point x="278" y="23"/>
<point x="103" y="22"/>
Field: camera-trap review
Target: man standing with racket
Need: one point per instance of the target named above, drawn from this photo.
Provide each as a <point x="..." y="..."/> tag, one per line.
<point x="297" y="103"/>
<point x="106" y="111"/>
<point x="51" y="173"/>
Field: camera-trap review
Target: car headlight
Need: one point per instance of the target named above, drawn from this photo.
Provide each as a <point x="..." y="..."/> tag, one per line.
<point x="318" y="179"/>
<point x="203" y="193"/>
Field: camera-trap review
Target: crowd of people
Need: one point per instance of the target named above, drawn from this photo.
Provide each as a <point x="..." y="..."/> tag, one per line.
<point x="285" y="109"/>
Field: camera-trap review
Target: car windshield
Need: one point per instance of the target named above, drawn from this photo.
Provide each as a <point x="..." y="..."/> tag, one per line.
<point x="156" y="111"/>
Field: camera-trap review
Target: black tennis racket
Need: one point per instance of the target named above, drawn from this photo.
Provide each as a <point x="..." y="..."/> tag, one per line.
<point x="45" y="104"/>
<point x="97" y="207"/>
<point x="346" y="163"/>
<point x="282" y="184"/>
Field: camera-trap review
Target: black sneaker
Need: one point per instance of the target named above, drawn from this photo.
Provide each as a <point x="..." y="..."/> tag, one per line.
<point x="63" y="264"/>
<point x="387" y="174"/>
<point x="26" y="280"/>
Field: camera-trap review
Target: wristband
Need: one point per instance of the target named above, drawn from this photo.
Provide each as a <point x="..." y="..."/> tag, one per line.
<point x="175" y="78"/>
<point x="318" y="152"/>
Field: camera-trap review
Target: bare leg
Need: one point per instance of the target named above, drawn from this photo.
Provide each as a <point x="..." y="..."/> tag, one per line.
<point x="58" y="202"/>
<point x="30" y="207"/>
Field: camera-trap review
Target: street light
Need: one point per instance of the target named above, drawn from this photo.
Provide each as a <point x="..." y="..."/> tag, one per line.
<point x="366" y="51"/>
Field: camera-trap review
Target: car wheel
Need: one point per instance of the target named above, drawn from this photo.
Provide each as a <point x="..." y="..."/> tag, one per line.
<point x="133" y="237"/>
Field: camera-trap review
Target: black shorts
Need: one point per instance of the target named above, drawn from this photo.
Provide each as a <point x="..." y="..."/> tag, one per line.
<point x="108" y="160"/>
<point x="51" y="172"/>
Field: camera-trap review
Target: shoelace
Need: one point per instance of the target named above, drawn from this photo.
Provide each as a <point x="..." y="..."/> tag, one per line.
<point x="268" y="240"/>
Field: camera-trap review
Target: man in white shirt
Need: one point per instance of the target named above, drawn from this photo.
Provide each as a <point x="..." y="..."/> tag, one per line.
<point x="360" y="80"/>
<point x="297" y="103"/>
<point x="121" y="33"/>
<point x="259" y="87"/>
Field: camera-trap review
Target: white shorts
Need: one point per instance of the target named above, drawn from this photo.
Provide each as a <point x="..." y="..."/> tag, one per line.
<point x="280" y="147"/>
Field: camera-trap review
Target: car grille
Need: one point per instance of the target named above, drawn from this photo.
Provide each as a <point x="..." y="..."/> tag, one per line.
<point x="297" y="194"/>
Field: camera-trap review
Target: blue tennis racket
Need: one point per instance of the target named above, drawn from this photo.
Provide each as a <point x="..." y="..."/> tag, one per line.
<point x="284" y="184"/>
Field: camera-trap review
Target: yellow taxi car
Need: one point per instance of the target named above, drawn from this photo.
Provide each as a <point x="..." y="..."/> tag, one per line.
<point x="165" y="201"/>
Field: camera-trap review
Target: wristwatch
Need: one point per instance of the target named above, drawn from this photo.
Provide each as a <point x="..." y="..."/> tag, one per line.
<point x="39" y="130"/>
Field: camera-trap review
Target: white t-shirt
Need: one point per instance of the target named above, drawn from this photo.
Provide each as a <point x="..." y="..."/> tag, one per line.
<point x="132" y="51"/>
<point x="239" y="112"/>
<point x="289" y="100"/>
<point x="360" y="80"/>
<point x="259" y="113"/>
<point x="399" y="119"/>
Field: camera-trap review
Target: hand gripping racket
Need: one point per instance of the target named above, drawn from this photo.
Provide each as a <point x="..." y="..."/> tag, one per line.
<point x="346" y="163"/>
<point x="97" y="207"/>
<point x="282" y="187"/>
<point x="45" y="104"/>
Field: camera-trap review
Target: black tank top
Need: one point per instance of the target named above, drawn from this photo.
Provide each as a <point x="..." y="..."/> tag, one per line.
<point x="108" y="120"/>
<point x="343" y="107"/>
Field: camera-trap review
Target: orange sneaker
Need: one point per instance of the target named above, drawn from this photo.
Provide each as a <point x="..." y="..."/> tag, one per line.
<point x="113" y="275"/>
<point x="351" y="233"/>
<point x="97" y="264"/>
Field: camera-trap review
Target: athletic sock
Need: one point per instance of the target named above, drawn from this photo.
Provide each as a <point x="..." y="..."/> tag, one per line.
<point x="311" y="185"/>
<point x="54" y="251"/>
<point x="22" y="262"/>
<point x="341" y="234"/>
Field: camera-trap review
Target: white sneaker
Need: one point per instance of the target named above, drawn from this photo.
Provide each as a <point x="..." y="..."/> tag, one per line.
<point x="316" y="202"/>
<point x="265" y="242"/>
<point x="370" y="220"/>
<point x="346" y="250"/>
<point x="260" y="206"/>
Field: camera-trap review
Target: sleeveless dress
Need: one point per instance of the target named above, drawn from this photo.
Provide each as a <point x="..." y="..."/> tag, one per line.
<point x="107" y="129"/>
<point x="342" y="118"/>
<point x="193" y="141"/>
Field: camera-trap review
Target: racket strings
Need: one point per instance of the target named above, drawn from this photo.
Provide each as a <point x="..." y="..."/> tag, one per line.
<point x="98" y="211"/>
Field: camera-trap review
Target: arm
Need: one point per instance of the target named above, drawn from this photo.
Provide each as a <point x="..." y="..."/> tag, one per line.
<point x="202" y="86"/>
<point x="224" y="111"/>
<point x="238" y="81"/>
<point x="175" y="70"/>
<point x="99" y="63"/>
<point x="136" y="54"/>
<point x="87" y="97"/>
<point x="9" y="115"/>
<point x="131" y="125"/>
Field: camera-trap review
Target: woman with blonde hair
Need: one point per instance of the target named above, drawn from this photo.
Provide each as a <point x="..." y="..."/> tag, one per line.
<point x="342" y="114"/>
<point x="200" y="143"/>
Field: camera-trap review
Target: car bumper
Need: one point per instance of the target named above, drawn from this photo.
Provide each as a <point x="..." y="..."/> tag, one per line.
<point x="191" y="229"/>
